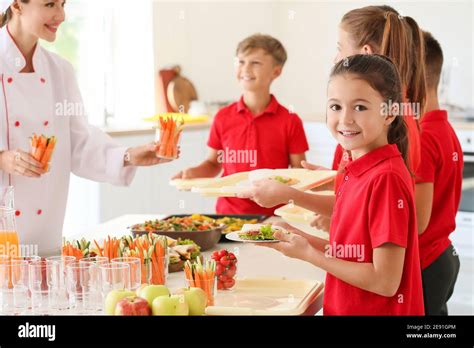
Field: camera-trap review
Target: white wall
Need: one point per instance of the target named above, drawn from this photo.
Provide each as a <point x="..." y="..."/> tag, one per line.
<point x="202" y="36"/>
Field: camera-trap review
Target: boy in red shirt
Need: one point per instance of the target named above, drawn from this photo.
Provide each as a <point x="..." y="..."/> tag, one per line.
<point x="438" y="191"/>
<point x="256" y="131"/>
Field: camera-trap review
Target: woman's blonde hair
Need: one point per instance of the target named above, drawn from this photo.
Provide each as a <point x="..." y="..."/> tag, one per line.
<point x="7" y="15"/>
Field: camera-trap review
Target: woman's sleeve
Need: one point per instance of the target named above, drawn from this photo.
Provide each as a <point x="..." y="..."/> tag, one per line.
<point x="94" y="154"/>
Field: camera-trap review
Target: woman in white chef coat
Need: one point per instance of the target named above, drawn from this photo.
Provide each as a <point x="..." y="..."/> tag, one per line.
<point x="33" y="82"/>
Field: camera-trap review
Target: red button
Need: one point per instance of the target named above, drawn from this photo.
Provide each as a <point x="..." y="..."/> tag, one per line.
<point x="42" y="80"/>
<point x="17" y="213"/>
<point x="17" y="124"/>
<point x="46" y="123"/>
<point x="9" y="80"/>
<point x="39" y="212"/>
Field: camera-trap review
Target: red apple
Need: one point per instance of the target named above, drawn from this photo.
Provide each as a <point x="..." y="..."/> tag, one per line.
<point x="133" y="306"/>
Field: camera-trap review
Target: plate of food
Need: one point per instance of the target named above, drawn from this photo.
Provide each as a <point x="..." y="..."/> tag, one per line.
<point x="256" y="233"/>
<point x="203" y="230"/>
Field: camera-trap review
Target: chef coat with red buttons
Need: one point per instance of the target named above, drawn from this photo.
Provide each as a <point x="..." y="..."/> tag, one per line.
<point x="374" y="205"/>
<point x="272" y="136"/>
<point x="45" y="102"/>
<point x="442" y="165"/>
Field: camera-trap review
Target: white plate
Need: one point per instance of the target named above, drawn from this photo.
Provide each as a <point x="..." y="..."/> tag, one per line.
<point x="234" y="236"/>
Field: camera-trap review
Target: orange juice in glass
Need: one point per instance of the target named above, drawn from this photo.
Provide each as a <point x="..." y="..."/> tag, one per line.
<point x="9" y="243"/>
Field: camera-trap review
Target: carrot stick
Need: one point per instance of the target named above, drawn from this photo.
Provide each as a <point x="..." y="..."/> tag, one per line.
<point x="49" y="151"/>
<point x="33" y="144"/>
<point x="40" y="148"/>
<point x="98" y="248"/>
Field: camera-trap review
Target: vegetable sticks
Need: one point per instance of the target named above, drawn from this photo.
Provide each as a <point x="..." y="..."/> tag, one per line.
<point x="170" y="131"/>
<point x="41" y="148"/>
<point x="202" y="276"/>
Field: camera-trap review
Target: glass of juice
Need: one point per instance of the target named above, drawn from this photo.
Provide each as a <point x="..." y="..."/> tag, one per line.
<point x="9" y="244"/>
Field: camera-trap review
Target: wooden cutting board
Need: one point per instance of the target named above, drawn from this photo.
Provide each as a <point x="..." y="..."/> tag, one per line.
<point x="180" y="94"/>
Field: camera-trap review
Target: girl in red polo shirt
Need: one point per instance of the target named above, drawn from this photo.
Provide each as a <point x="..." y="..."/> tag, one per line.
<point x="382" y="30"/>
<point x="372" y="259"/>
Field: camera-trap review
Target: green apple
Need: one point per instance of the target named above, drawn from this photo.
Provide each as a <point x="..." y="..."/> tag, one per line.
<point x="140" y="288"/>
<point x="170" y="305"/>
<point x="113" y="297"/>
<point x="151" y="292"/>
<point x="196" y="299"/>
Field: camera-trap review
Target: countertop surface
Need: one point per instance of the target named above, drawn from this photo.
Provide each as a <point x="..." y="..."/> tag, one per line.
<point x="253" y="261"/>
<point x="148" y="128"/>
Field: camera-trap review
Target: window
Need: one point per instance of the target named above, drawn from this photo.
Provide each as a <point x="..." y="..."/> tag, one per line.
<point x="111" y="48"/>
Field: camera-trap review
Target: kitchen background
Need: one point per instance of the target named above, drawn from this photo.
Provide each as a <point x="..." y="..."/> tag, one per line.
<point x="118" y="47"/>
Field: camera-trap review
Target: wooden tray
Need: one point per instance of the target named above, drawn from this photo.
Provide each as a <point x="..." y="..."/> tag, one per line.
<point x="230" y="186"/>
<point x="266" y="296"/>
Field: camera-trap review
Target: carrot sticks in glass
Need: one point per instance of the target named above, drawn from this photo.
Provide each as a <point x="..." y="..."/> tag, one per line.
<point x="41" y="148"/>
<point x="170" y="128"/>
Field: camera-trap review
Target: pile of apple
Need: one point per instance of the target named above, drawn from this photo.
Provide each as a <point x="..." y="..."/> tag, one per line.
<point x="226" y="268"/>
<point x="156" y="300"/>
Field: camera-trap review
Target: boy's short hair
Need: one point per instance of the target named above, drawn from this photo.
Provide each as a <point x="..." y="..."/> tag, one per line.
<point x="267" y="43"/>
<point x="433" y="60"/>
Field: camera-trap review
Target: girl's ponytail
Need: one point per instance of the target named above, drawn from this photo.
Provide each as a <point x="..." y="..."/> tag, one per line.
<point x="416" y="90"/>
<point x="394" y="44"/>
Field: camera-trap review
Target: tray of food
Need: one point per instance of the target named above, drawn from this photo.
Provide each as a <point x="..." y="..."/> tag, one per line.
<point x="232" y="185"/>
<point x="232" y="222"/>
<point x="266" y="296"/>
<point x="204" y="231"/>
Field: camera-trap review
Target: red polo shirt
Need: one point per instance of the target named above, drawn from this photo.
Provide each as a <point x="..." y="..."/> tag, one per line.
<point x="441" y="164"/>
<point x="413" y="150"/>
<point x="263" y="141"/>
<point x="375" y="205"/>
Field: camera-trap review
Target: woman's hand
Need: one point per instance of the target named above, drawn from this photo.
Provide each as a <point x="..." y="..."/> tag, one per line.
<point x="21" y="163"/>
<point x="321" y="222"/>
<point x="145" y="155"/>
<point x="291" y="244"/>
<point x="268" y="193"/>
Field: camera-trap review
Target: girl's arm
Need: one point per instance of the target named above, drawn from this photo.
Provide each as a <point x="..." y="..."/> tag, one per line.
<point x="381" y="276"/>
<point x="321" y="204"/>
<point x="424" y="205"/>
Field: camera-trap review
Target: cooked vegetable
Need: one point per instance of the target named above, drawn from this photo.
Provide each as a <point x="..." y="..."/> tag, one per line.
<point x="234" y="224"/>
<point x="187" y="223"/>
